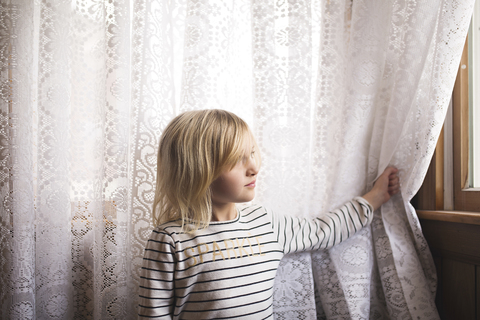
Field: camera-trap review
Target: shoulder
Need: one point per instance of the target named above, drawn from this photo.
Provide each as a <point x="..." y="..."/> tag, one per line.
<point x="166" y="232"/>
<point x="254" y="213"/>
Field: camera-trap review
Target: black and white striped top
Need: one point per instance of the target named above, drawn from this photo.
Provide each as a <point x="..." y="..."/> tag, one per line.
<point x="227" y="270"/>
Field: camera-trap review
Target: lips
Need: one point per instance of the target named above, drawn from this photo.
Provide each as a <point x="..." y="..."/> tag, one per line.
<point x="251" y="184"/>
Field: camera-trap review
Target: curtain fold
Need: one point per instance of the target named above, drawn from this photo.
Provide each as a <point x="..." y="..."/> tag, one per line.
<point x="334" y="91"/>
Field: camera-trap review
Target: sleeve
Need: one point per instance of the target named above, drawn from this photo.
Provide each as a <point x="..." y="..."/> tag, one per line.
<point x="157" y="277"/>
<point x="323" y="232"/>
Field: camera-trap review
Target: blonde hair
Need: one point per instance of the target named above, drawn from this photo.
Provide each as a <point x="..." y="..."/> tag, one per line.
<point x="194" y="149"/>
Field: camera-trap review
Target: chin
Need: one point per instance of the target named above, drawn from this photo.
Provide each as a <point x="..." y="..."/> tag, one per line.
<point x="249" y="199"/>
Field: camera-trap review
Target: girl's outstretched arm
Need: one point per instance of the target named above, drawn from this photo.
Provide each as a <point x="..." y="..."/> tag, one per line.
<point x="384" y="188"/>
<point x="297" y="234"/>
<point x="325" y="231"/>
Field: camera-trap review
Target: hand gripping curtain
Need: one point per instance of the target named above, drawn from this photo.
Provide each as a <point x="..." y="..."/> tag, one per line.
<point x="334" y="90"/>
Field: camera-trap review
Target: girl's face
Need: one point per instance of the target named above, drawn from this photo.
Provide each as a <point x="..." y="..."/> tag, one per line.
<point x="238" y="184"/>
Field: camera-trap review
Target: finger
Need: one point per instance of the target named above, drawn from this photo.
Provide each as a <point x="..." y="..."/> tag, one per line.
<point x="391" y="170"/>
<point x="393" y="181"/>
<point x="393" y="176"/>
<point x="394" y="172"/>
<point x="394" y="189"/>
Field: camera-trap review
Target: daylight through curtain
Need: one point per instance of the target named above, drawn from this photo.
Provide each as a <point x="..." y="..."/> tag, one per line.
<point x="334" y="90"/>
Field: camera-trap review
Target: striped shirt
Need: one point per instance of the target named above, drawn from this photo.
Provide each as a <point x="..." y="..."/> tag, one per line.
<point x="227" y="270"/>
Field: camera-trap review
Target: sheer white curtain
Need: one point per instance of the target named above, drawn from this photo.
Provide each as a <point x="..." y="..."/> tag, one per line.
<point x="335" y="91"/>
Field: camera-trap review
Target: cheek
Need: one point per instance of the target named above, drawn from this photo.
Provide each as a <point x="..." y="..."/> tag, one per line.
<point x="226" y="185"/>
<point x="220" y="186"/>
<point x="229" y="186"/>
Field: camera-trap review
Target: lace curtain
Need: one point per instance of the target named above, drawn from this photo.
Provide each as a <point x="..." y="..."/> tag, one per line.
<point x="335" y="90"/>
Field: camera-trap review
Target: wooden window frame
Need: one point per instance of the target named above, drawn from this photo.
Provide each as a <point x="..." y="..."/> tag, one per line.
<point x="465" y="198"/>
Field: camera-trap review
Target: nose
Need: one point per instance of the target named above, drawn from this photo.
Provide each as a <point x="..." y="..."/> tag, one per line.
<point x="252" y="167"/>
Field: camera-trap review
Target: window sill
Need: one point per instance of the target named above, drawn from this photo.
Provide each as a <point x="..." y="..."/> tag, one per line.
<point x="450" y="216"/>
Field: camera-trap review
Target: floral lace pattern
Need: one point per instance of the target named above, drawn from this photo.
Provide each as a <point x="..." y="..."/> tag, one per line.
<point x="334" y="91"/>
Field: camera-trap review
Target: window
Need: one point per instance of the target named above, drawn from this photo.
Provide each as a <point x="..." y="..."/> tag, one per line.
<point x="474" y="97"/>
<point x="465" y="96"/>
<point x="453" y="180"/>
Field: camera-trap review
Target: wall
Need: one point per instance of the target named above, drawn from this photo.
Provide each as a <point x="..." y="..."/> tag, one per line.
<point x="456" y="251"/>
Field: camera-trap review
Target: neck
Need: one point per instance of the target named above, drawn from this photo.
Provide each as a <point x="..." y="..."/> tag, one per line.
<point x="224" y="212"/>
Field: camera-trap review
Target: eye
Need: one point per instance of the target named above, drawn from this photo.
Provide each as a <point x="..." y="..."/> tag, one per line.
<point x="242" y="159"/>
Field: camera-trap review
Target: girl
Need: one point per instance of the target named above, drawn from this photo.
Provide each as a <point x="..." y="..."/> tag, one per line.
<point x="208" y="260"/>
